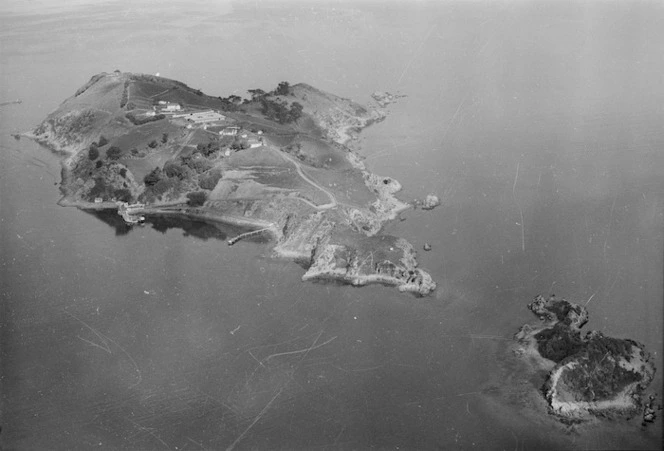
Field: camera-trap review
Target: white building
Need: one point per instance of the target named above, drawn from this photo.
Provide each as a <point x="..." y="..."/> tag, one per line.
<point x="253" y="143"/>
<point x="230" y="131"/>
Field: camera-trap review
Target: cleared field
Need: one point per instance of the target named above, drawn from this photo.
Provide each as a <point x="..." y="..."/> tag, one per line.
<point x="139" y="138"/>
<point x="347" y="185"/>
<point x="266" y="168"/>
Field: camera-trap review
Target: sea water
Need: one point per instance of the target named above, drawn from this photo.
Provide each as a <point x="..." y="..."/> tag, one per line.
<point x="539" y="127"/>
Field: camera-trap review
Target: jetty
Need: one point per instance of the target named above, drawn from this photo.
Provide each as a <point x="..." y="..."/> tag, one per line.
<point x="13" y="102"/>
<point x="131" y="212"/>
<point x="241" y="236"/>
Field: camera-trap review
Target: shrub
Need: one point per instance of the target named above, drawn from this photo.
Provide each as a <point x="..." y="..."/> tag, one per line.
<point x="164" y="185"/>
<point x="99" y="164"/>
<point x="277" y="110"/>
<point x="99" y="189"/>
<point x="164" y="138"/>
<point x="210" y="181"/>
<point x="143" y="120"/>
<point x="125" y="94"/>
<point x="153" y="177"/>
<point x="239" y="144"/>
<point x="295" y="111"/>
<point x="123" y="172"/>
<point x="153" y="144"/>
<point x="256" y="93"/>
<point x="93" y="152"/>
<point x="200" y="165"/>
<point x="197" y="198"/>
<point x="123" y="195"/>
<point x="114" y="153"/>
<point x="558" y="343"/>
<point x="283" y="89"/>
<point x="172" y="169"/>
<point x="209" y="148"/>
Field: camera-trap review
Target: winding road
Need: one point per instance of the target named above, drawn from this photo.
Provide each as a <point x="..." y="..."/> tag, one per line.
<point x="298" y="167"/>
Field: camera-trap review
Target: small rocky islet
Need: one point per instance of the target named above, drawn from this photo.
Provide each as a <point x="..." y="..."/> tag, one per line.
<point x="588" y="375"/>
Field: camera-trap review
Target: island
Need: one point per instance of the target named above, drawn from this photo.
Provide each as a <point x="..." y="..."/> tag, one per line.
<point x="588" y="375"/>
<point x="280" y="163"/>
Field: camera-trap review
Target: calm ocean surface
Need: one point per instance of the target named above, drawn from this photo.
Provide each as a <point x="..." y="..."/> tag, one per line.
<point x="539" y="125"/>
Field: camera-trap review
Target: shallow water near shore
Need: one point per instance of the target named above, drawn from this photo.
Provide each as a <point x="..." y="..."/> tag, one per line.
<point x="538" y="127"/>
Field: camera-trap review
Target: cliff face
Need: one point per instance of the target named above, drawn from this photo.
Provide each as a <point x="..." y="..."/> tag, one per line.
<point x="276" y="162"/>
<point x="588" y="374"/>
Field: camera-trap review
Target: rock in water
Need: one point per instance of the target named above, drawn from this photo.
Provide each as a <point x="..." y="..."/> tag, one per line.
<point x="426" y="247"/>
<point x="384" y="98"/>
<point x="430" y="202"/>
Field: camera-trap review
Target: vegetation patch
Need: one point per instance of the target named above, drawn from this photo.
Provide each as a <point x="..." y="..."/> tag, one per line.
<point x="558" y="342"/>
<point x="196" y="199"/>
<point x="143" y="119"/>
<point x="210" y="180"/>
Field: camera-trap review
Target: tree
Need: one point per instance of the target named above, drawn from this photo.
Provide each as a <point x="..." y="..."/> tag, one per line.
<point x="210" y="181"/>
<point x="211" y="148"/>
<point x="239" y="144"/>
<point x="200" y="165"/>
<point x="164" y="138"/>
<point x="99" y="189"/>
<point x="256" y="93"/>
<point x="235" y="99"/>
<point x="172" y="169"/>
<point x="93" y="152"/>
<point x="197" y="198"/>
<point x="123" y="195"/>
<point x="153" y="177"/>
<point x="295" y="111"/>
<point x="114" y="153"/>
<point x="283" y="89"/>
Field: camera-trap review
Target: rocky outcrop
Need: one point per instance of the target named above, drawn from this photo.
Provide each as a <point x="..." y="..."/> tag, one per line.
<point x="589" y="374"/>
<point x="356" y="266"/>
<point x="429" y="203"/>
<point x="384" y="98"/>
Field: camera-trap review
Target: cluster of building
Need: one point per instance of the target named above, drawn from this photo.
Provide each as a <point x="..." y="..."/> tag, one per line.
<point x="169" y="107"/>
<point x="197" y="117"/>
<point x="205" y="118"/>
